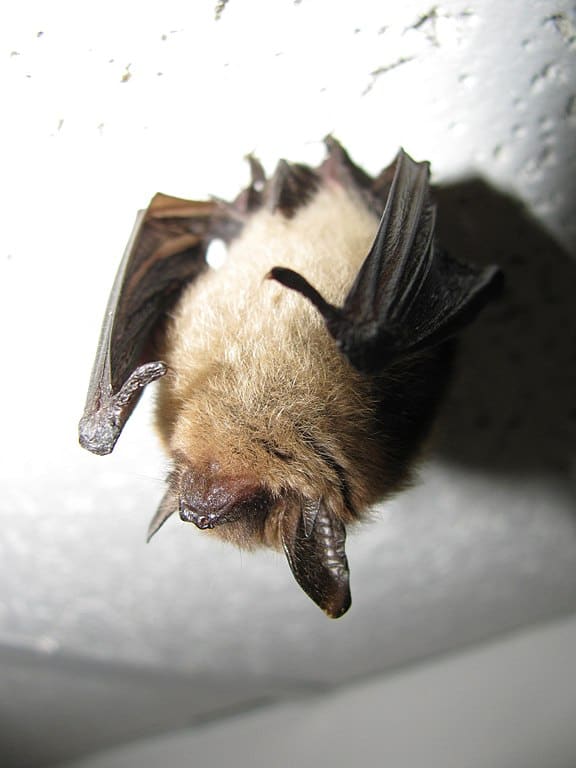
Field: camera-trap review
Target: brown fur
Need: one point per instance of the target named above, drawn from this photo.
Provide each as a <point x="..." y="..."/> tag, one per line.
<point x="288" y="405"/>
<point x="257" y="388"/>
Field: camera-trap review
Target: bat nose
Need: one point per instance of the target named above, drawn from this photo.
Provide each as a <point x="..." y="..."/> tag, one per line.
<point x="208" y="499"/>
<point x="199" y="519"/>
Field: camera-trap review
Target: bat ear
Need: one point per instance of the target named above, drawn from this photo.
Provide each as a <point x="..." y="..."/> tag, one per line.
<point x="313" y="540"/>
<point x="166" y="508"/>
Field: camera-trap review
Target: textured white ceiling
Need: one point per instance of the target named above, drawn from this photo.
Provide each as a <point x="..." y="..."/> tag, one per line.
<point x="105" y="104"/>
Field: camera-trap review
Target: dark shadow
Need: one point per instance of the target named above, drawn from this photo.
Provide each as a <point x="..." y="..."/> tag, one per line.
<point x="513" y="405"/>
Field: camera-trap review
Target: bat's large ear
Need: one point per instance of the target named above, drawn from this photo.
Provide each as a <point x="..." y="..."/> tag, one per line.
<point x="165" y="252"/>
<point x="313" y="541"/>
<point x="408" y="294"/>
<point x="166" y="508"/>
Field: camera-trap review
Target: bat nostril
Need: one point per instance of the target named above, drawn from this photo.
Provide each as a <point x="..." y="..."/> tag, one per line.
<point x="200" y="520"/>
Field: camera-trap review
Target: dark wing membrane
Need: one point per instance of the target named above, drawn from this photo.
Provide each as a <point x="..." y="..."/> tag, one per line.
<point x="313" y="541"/>
<point x="165" y="252"/>
<point x="448" y="299"/>
<point x="407" y="294"/>
<point x="401" y="254"/>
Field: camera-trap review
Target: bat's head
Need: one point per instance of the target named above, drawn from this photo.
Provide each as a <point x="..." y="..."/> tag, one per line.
<point x="210" y="498"/>
<point x="257" y="468"/>
<point x="241" y="507"/>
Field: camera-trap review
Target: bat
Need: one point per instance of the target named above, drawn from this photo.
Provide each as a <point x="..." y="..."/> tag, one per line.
<point x="298" y="382"/>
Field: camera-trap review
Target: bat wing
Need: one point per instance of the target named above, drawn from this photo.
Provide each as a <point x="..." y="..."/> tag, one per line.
<point x="408" y="294"/>
<point x="165" y="252"/>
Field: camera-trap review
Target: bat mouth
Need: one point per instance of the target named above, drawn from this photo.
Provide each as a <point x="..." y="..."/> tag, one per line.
<point x="209" y="498"/>
<point x="254" y="508"/>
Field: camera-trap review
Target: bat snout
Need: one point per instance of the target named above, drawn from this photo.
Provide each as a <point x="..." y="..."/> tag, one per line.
<point x="200" y="520"/>
<point x="209" y="499"/>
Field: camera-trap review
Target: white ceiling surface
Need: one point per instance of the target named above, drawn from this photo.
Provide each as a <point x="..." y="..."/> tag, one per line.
<point x="507" y="705"/>
<point x="109" y="103"/>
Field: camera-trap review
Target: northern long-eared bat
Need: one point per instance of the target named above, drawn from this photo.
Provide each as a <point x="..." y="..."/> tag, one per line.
<point x="297" y="382"/>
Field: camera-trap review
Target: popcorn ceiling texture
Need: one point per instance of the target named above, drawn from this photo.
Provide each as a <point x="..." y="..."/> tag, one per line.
<point x="110" y="103"/>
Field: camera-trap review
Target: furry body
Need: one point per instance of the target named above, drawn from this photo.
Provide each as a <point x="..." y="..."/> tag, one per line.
<point x="288" y="406"/>
<point x="257" y="389"/>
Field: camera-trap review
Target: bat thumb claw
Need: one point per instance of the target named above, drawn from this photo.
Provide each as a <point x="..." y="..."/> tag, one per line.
<point x="138" y="379"/>
<point x="100" y="426"/>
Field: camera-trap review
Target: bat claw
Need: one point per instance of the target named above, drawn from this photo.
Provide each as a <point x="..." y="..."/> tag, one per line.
<point x="100" y="427"/>
<point x="138" y="379"/>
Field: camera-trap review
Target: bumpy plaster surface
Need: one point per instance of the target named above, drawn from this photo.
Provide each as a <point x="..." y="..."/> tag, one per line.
<point x="106" y="104"/>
